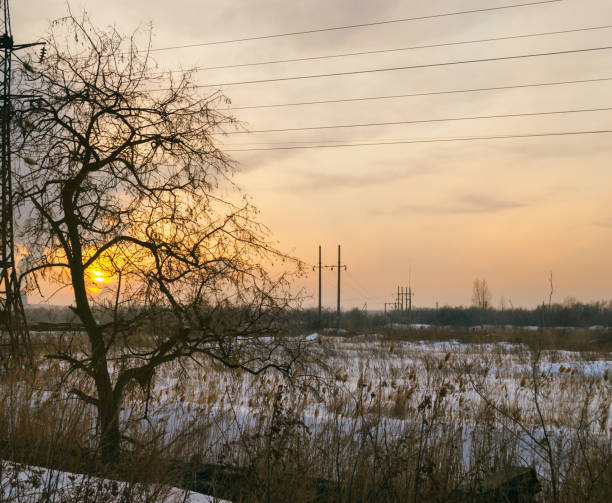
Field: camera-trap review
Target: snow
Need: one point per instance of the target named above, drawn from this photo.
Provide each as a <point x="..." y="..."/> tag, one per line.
<point x="30" y="484"/>
<point x="585" y="369"/>
<point x="228" y="406"/>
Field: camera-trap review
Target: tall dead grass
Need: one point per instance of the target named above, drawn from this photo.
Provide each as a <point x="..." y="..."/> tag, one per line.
<point x="390" y="422"/>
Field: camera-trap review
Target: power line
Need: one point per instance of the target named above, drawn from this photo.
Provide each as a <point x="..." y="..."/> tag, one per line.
<point x="444" y="140"/>
<point x="341" y="142"/>
<point x="425" y="121"/>
<point x="352" y="26"/>
<point x="396" y="68"/>
<point x="310" y="142"/>
<point x="399" y="49"/>
<point x="360" y="289"/>
<point x="428" y="93"/>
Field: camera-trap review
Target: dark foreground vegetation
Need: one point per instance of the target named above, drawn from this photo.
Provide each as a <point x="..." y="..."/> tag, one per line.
<point x="391" y="436"/>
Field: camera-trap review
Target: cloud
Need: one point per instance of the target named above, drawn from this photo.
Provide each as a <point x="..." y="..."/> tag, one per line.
<point x="606" y="223"/>
<point x="249" y="161"/>
<point x="329" y="181"/>
<point x="318" y="182"/>
<point x="474" y="203"/>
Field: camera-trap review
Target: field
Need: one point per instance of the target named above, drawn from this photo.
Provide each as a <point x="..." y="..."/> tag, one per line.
<point x="412" y="415"/>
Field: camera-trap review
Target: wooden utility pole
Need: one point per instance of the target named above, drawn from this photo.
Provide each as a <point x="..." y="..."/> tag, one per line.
<point x="338" y="282"/>
<point x="319" y="285"/>
<point x="320" y="267"/>
<point x="340" y="267"/>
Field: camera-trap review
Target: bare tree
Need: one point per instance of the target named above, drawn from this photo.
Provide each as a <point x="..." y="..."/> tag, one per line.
<point x="481" y="295"/>
<point x="123" y="186"/>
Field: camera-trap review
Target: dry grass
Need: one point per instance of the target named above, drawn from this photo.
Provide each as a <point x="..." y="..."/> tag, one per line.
<point x="394" y="420"/>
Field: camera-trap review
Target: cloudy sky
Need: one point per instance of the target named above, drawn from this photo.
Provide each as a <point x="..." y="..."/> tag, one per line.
<point x="508" y="210"/>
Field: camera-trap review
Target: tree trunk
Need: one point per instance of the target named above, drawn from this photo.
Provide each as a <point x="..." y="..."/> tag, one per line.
<point x="108" y="427"/>
<point x="108" y="402"/>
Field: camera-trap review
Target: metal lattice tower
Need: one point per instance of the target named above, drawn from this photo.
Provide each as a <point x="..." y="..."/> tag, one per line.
<point x="12" y="316"/>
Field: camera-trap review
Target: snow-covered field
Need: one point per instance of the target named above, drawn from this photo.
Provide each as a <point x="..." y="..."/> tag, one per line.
<point x="472" y="403"/>
<point x="393" y="372"/>
<point x="396" y="385"/>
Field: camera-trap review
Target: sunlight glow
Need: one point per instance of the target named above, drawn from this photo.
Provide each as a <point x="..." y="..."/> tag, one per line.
<point x="98" y="276"/>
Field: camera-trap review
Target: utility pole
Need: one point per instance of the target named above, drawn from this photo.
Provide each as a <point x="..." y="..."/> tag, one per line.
<point x="320" y="267"/>
<point x="12" y="315"/>
<point x="410" y="290"/>
<point x="319" y="285"/>
<point x="339" y="267"/>
<point x="403" y="301"/>
<point x="410" y="299"/>
<point x="409" y="294"/>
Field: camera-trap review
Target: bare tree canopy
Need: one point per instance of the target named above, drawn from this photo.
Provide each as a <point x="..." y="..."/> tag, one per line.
<point x="124" y="192"/>
<point x="481" y="295"/>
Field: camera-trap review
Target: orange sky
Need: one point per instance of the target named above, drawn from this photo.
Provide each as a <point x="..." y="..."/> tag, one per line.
<point x="508" y="210"/>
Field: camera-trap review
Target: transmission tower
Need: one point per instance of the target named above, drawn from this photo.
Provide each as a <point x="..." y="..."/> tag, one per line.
<point x="12" y="316"/>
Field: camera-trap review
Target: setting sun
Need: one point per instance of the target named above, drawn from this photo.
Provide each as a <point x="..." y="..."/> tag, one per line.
<point x="98" y="276"/>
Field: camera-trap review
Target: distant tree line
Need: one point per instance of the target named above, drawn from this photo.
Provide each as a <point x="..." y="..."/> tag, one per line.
<point x="567" y="314"/>
<point x="556" y="315"/>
